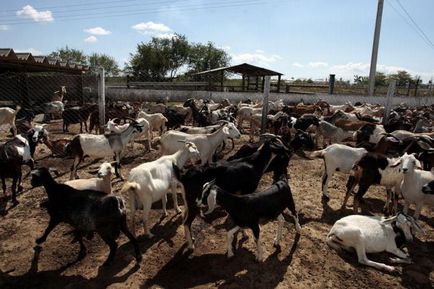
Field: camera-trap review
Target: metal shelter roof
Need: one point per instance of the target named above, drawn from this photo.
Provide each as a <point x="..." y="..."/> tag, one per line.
<point x="26" y="62"/>
<point x="245" y="69"/>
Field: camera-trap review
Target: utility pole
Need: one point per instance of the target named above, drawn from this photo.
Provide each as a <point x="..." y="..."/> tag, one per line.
<point x="373" y="68"/>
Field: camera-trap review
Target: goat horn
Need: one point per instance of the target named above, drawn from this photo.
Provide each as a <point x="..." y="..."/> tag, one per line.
<point x="183" y="141"/>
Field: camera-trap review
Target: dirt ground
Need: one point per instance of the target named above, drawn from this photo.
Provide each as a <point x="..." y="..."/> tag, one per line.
<point x="302" y="261"/>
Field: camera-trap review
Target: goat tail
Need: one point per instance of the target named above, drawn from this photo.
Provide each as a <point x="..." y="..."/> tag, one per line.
<point x="130" y="188"/>
<point x="316" y="154"/>
<point x="17" y="109"/>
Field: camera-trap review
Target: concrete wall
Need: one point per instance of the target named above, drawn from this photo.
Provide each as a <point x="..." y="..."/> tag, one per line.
<point x="121" y="93"/>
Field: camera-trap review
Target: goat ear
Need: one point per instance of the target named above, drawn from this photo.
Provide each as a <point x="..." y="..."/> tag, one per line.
<point x="397" y="163"/>
<point x="226" y="130"/>
<point x="388" y="220"/>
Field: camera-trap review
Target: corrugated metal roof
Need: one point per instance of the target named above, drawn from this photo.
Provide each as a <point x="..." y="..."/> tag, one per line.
<point x="12" y="61"/>
<point x="244" y="68"/>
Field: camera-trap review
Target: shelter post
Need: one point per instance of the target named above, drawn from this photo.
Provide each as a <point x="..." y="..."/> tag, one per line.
<point x="265" y="104"/>
<point x="278" y="83"/>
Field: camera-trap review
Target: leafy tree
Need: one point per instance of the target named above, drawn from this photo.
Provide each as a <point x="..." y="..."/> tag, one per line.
<point x="107" y="62"/>
<point x="358" y="79"/>
<point x="380" y="79"/>
<point x="159" y="58"/>
<point x="402" y="77"/>
<point x="205" y="57"/>
<point x="69" y="54"/>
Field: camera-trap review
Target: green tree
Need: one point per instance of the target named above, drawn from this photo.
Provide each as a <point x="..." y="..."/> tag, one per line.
<point x="205" y="57"/>
<point x="69" y="54"/>
<point x="380" y="79"/>
<point x="103" y="60"/>
<point x="159" y="59"/>
<point x="402" y="77"/>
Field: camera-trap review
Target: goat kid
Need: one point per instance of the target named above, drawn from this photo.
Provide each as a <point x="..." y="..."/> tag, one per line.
<point x="248" y="211"/>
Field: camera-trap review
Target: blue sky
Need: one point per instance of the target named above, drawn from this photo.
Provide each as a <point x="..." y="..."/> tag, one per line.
<point x="300" y="38"/>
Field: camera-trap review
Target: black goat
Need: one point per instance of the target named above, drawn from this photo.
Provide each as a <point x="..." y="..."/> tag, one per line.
<point x="17" y="152"/>
<point x="79" y="115"/>
<point x="87" y="211"/>
<point x="247" y="171"/>
<point x="200" y="116"/>
<point x="248" y="211"/>
<point x="174" y="118"/>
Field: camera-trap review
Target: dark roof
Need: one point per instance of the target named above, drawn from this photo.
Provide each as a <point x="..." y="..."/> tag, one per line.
<point x="245" y="68"/>
<point x="25" y="61"/>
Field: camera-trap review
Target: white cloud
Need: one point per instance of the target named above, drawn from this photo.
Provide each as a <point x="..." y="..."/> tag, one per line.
<point x="224" y="47"/>
<point x="259" y="51"/>
<point x="297" y="64"/>
<point x="151" y="28"/>
<point x="318" y="64"/>
<point x="91" y="39"/>
<point x="33" y="51"/>
<point x="97" y="31"/>
<point x="29" y="12"/>
<point x="4" y="27"/>
<point x="260" y="59"/>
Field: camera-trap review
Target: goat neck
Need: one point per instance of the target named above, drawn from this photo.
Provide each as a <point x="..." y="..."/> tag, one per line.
<point x="263" y="157"/>
<point x="181" y="157"/>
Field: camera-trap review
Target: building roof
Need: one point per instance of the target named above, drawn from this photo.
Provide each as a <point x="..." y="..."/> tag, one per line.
<point x="245" y="69"/>
<point x="26" y="62"/>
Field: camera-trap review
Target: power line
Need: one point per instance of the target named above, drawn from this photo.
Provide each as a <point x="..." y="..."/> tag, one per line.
<point x="148" y="11"/>
<point x="413" y="24"/>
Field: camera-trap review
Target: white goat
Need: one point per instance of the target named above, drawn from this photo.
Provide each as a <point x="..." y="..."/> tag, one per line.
<point x="102" y="183"/>
<point x="206" y="143"/>
<point x="7" y="117"/>
<point x="100" y="146"/>
<point x="373" y="234"/>
<point x="150" y="182"/>
<point x="113" y="127"/>
<point x="246" y="113"/>
<point x="157" y="121"/>
<point x="411" y="187"/>
<point x="337" y="157"/>
<point x="333" y="133"/>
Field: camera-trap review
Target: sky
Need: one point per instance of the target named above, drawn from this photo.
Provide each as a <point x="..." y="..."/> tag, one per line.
<point x="299" y="38"/>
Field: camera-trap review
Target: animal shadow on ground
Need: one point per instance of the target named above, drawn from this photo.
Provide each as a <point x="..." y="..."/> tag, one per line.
<point x="182" y="272"/>
<point x="54" y="278"/>
<point x="417" y="274"/>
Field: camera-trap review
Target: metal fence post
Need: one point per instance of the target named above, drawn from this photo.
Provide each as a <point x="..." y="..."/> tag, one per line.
<point x="101" y="99"/>
<point x="331" y="83"/>
<point x="265" y="104"/>
<point x="390" y="94"/>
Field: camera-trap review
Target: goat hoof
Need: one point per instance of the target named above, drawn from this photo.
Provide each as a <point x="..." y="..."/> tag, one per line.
<point x="325" y="197"/>
<point x="107" y="263"/>
<point x="276" y="245"/>
<point x="20" y="188"/>
<point x="40" y="241"/>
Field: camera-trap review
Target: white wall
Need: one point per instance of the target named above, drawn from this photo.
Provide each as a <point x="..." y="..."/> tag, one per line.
<point x="120" y="93"/>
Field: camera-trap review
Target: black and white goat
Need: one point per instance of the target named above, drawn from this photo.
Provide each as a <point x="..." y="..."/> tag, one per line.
<point x="17" y="152"/>
<point x="87" y="211"/>
<point x="373" y="234"/>
<point x="100" y="146"/>
<point x="248" y="211"/>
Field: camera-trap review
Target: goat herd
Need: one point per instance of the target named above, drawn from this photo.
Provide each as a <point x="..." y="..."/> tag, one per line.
<point x="397" y="153"/>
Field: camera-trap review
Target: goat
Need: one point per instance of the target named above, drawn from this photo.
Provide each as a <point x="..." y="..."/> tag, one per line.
<point x="374" y="169"/>
<point x="199" y="117"/>
<point x="150" y="182"/>
<point x="17" y="152"/>
<point x="206" y="143"/>
<point x="174" y="119"/>
<point x="247" y="211"/>
<point x="23" y="124"/>
<point x="87" y="211"/>
<point x="100" y="146"/>
<point x="247" y="171"/>
<point x="102" y="183"/>
<point x="57" y="147"/>
<point x="373" y="234"/>
<point x="157" y="121"/>
<point x="414" y="180"/>
<point x="337" y="157"/>
<point x="77" y="115"/>
<point x="7" y="117"/>
<point x="112" y="127"/>
<point x="333" y="133"/>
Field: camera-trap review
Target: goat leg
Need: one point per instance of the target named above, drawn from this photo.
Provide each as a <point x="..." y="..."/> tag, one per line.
<point x="51" y="225"/>
<point x="124" y="229"/>
<point x="110" y="241"/>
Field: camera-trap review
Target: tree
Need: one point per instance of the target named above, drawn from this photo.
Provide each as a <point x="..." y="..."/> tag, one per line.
<point x="402" y="77"/>
<point x="205" y="57"/>
<point x="159" y="58"/>
<point x="380" y="79"/>
<point x="103" y="60"/>
<point x="69" y="54"/>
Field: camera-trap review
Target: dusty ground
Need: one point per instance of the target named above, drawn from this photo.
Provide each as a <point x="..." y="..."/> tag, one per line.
<point x="302" y="262"/>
